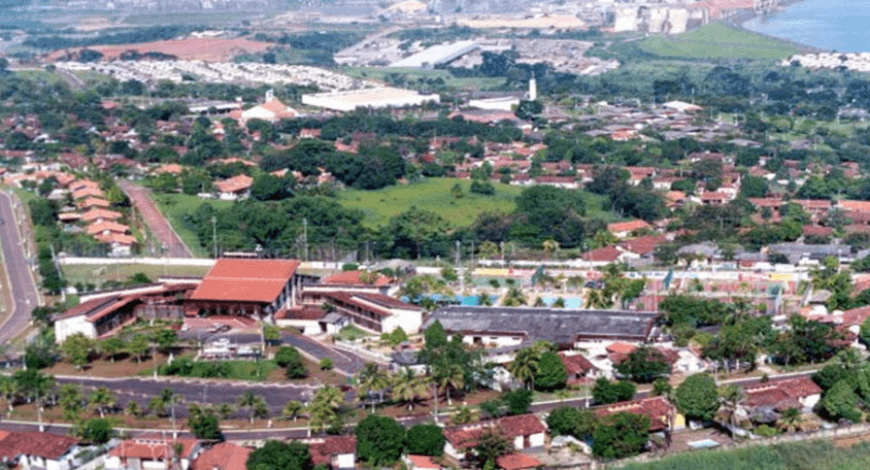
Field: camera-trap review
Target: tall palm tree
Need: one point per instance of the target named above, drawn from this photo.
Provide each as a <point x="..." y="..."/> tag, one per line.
<point x="36" y="385"/>
<point x="167" y="398"/>
<point x="449" y="375"/>
<point x="731" y="397"/>
<point x="254" y="403"/>
<point x="408" y="387"/>
<point x="372" y="379"/>
<point x="325" y="406"/>
<point x="101" y="399"/>
<point x="525" y="366"/>
<point x="790" y="419"/>
<point x="10" y="390"/>
<point x="514" y="298"/>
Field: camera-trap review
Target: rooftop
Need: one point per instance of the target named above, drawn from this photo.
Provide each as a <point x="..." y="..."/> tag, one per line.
<point x="223" y="456"/>
<point x="40" y="444"/>
<point x="560" y="326"/>
<point x="246" y="280"/>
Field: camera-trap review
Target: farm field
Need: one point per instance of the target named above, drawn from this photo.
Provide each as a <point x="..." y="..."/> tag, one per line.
<point x="718" y="41"/>
<point x="205" y="49"/>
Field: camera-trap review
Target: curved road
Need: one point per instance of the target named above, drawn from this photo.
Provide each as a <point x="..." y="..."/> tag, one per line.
<point x="24" y="293"/>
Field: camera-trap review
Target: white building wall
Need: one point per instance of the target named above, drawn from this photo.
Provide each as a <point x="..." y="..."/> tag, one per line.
<point x="498" y="341"/>
<point x="344" y="461"/>
<point x="70" y="326"/>
<point x="409" y="320"/>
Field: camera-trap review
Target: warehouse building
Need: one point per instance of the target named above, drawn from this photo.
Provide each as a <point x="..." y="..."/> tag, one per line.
<point x="437" y="55"/>
<point x="509" y="326"/>
<point x="368" y="98"/>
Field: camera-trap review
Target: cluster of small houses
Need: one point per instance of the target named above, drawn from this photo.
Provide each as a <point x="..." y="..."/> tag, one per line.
<point x="528" y="435"/>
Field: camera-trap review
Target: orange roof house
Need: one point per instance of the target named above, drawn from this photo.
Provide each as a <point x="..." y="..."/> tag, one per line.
<point x="623" y="229"/>
<point x="107" y="227"/>
<point x="234" y="187"/>
<point x="92" y="202"/>
<point x="247" y="287"/>
<point x="99" y="215"/>
<point x="223" y="456"/>
<point x="660" y="412"/>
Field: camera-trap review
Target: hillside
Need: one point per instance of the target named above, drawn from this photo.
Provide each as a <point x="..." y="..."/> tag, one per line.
<point x="718" y="41"/>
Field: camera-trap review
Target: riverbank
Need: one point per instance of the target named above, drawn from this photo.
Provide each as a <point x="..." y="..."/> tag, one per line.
<point x="739" y="19"/>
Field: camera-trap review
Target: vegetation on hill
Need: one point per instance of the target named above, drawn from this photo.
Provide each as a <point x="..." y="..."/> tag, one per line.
<point x="718" y="41"/>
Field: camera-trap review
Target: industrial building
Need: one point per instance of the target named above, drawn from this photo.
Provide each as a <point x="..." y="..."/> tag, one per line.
<point x="437" y="55"/>
<point x="368" y="98"/>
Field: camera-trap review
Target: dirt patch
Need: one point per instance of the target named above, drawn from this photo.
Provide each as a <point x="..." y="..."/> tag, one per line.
<point x="124" y="366"/>
<point x="205" y="49"/>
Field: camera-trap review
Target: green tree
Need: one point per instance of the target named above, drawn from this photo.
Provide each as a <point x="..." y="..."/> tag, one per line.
<point x="379" y="440"/>
<point x="841" y="402"/>
<point x="293" y="409"/>
<point x="408" y="387"/>
<point x="102" y="399"/>
<point x="325" y="408"/>
<point x="425" y="439"/>
<point x="518" y="401"/>
<point x="525" y="366"/>
<point x="112" y="347"/>
<point x="697" y="397"/>
<point x="78" y="348"/>
<point x="10" y="389"/>
<point x="166" y="339"/>
<point x="70" y="399"/>
<point x="490" y="446"/>
<point x="621" y="435"/>
<point x="644" y="365"/>
<point x="605" y="392"/>
<point x="138" y="346"/>
<point x="277" y="455"/>
<point x="37" y="386"/>
<point x="570" y="421"/>
<point x="205" y="426"/>
<point x="255" y="404"/>
<point x="552" y="373"/>
<point x="96" y="431"/>
<point x="372" y="381"/>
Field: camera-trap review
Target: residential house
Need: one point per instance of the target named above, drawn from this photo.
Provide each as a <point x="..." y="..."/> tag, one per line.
<point x="625" y="229"/>
<point x="420" y="462"/>
<point x="663" y="416"/>
<point x="310" y="320"/>
<point x="780" y="395"/>
<point x="153" y="452"/>
<point x="97" y="215"/>
<point x="222" y="456"/>
<point x="357" y="281"/>
<point x="237" y="187"/>
<point x="38" y="451"/>
<point x="517" y="461"/>
<point x="335" y="452"/>
<point x="523" y="431"/>
<point x="579" y="368"/>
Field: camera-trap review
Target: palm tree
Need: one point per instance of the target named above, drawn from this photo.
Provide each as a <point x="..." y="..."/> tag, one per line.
<point x="36" y="385"/>
<point x="790" y="419"/>
<point x="102" y="399"/>
<point x="559" y="303"/>
<point x="449" y="375"/>
<point x="324" y="407"/>
<point x="372" y="379"/>
<point x="731" y="397"/>
<point x="514" y="298"/>
<point x="225" y="410"/>
<point x="292" y="409"/>
<point x="539" y="302"/>
<point x="525" y="366"/>
<point x="407" y="387"/>
<point x="10" y="390"/>
<point x="254" y="403"/>
<point x="550" y="246"/>
<point x="167" y="398"/>
<point x="483" y="299"/>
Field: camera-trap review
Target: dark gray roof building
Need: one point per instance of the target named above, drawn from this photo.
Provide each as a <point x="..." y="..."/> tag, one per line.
<point x="560" y="326"/>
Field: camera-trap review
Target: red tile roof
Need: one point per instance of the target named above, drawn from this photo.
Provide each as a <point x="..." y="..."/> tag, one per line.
<point x="464" y="437"/>
<point x="235" y="184"/>
<point x="818" y="231"/>
<point x="517" y="462"/>
<point x="657" y="409"/>
<point x="300" y="313"/>
<point x="856" y="316"/>
<point x="93" y="202"/>
<point x="423" y="461"/>
<point x="627" y="226"/>
<point x="643" y="245"/>
<point x="39" y="444"/>
<point x="607" y="254"/>
<point x="98" y="213"/>
<point x="576" y="364"/>
<point x="223" y="456"/>
<point x="246" y="280"/>
<point x="346" y="278"/>
<point x="152" y="447"/>
<point x="322" y="452"/>
<point x="781" y="394"/>
<point x="107" y="225"/>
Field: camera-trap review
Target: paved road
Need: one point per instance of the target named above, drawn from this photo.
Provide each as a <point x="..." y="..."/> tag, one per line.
<point x="24" y="293"/>
<point x="159" y="226"/>
<point x="343" y="361"/>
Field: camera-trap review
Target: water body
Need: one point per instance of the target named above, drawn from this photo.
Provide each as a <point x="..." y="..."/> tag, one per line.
<point x="836" y="25"/>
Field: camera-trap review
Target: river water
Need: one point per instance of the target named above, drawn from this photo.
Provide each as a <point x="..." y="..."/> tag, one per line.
<point x="837" y="25"/>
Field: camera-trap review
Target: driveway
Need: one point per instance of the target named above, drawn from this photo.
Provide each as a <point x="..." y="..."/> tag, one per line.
<point x="157" y="223"/>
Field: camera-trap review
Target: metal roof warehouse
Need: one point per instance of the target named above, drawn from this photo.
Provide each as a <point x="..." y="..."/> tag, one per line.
<point x="560" y="326"/>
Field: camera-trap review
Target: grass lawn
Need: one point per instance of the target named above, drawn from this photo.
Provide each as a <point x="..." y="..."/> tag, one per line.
<point x="431" y="194"/>
<point x="174" y="206"/>
<point x="718" y="41"/>
<point x="97" y="274"/>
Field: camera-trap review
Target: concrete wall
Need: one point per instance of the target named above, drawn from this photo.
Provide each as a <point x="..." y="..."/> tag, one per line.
<point x="70" y="326"/>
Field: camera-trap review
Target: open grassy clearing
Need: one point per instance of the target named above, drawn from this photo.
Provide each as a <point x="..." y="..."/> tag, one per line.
<point x="718" y="41"/>
<point x="175" y="206"/>
<point x="431" y="194"/>
<point x="98" y="274"/>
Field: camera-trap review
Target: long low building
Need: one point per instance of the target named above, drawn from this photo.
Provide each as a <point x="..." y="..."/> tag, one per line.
<point x="437" y="55"/>
<point x="369" y="98"/>
<point x="505" y="326"/>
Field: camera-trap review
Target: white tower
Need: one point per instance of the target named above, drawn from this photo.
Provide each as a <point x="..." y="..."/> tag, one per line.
<point x="533" y="89"/>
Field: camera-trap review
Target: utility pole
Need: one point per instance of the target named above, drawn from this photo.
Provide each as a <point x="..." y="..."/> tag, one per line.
<point x="458" y="245"/>
<point x="305" y="237"/>
<point x="214" y="235"/>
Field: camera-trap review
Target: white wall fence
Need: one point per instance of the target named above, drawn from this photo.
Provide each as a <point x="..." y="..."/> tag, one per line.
<point x="364" y="353"/>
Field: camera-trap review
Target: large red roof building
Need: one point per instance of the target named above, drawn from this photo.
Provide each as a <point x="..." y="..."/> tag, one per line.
<point x="248" y="287"/>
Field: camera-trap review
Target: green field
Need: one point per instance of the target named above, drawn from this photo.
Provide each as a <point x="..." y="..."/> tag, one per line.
<point x="816" y="455"/>
<point x="718" y="41"/>
<point x="174" y="206"/>
<point x="434" y="194"/>
<point x="97" y="274"/>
